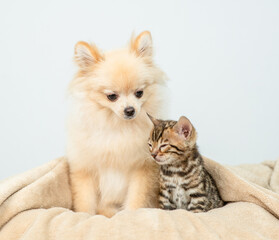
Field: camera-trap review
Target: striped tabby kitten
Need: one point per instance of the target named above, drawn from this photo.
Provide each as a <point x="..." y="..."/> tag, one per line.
<point x="184" y="182"/>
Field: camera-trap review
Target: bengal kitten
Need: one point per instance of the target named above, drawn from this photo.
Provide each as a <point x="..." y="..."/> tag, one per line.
<point x="184" y="182"/>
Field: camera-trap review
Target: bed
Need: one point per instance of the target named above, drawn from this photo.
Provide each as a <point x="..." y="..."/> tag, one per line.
<point x="37" y="205"/>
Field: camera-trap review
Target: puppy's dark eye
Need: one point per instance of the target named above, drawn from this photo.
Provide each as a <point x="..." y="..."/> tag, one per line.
<point x="139" y="93"/>
<point x="112" y="97"/>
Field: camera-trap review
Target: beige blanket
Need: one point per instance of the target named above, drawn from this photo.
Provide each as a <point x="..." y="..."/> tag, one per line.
<point x="36" y="205"/>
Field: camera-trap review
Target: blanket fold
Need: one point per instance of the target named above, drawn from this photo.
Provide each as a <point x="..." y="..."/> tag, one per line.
<point x="36" y="205"/>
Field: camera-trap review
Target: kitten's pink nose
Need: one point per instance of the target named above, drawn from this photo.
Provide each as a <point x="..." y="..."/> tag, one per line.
<point x="153" y="155"/>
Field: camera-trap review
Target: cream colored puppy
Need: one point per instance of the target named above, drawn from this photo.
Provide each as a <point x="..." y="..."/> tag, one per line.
<point x="108" y="128"/>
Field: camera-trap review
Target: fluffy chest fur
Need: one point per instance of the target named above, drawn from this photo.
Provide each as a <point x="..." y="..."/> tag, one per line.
<point x="178" y="194"/>
<point x="102" y="142"/>
<point x="113" y="185"/>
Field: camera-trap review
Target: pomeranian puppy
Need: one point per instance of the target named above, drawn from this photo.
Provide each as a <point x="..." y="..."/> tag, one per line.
<point x="108" y="128"/>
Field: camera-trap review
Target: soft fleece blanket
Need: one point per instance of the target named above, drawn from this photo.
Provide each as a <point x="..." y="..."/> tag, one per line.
<point x="36" y="205"/>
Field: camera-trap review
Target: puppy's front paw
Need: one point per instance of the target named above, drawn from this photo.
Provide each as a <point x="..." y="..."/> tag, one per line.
<point x="108" y="212"/>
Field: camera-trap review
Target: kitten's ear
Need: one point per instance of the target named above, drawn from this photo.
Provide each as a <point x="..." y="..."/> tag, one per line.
<point x="142" y="44"/>
<point x="86" y="55"/>
<point x="153" y="120"/>
<point x="183" y="127"/>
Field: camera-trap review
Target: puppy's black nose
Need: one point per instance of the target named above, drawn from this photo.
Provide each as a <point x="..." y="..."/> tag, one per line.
<point x="129" y="111"/>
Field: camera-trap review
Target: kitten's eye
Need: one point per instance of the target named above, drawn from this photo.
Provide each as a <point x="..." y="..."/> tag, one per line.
<point x="162" y="146"/>
<point x="150" y="145"/>
<point x="112" y="97"/>
<point x="139" y="93"/>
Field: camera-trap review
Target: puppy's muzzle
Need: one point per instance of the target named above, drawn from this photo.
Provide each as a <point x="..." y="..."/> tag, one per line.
<point x="129" y="112"/>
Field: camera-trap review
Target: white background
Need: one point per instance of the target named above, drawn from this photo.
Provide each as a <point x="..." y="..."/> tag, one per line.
<point x="222" y="58"/>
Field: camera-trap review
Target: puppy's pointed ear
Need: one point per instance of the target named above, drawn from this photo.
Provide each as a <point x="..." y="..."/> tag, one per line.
<point x="86" y="55"/>
<point x="153" y="120"/>
<point x="183" y="127"/>
<point x="142" y="44"/>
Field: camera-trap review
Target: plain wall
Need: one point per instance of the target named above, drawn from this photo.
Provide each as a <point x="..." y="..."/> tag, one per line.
<point x="222" y="59"/>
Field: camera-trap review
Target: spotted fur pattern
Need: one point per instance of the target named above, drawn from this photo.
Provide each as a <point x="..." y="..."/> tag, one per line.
<point x="184" y="182"/>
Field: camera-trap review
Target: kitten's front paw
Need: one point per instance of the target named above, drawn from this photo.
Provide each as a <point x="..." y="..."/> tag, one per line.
<point x="196" y="211"/>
